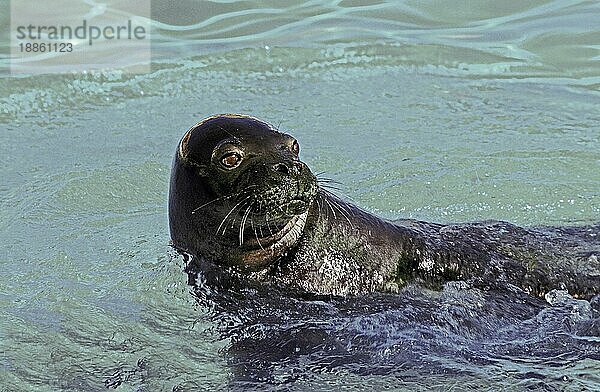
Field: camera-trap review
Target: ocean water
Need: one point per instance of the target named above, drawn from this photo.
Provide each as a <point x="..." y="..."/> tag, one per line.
<point x="445" y="111"/>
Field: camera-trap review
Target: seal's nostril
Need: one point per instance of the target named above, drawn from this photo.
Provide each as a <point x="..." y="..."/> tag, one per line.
<point x="281" y="168"/>
<point x="294" y="168"/>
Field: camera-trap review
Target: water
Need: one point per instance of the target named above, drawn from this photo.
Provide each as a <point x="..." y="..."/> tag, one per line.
<point x="438" y="111"/>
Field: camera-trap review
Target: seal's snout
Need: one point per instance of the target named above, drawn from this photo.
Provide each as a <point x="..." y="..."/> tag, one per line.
<point x="294" y="168"/>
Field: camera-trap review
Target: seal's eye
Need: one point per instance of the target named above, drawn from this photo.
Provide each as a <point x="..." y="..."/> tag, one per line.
<point x="231" y="160"/>
<point x="295" y="147"/>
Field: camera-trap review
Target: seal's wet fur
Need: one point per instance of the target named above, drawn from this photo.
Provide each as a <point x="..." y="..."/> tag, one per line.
<point x="269" y="219"/>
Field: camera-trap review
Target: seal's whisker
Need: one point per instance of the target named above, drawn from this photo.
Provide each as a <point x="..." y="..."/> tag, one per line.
<point x="256" y="234"/>
<point x="230" y="212"/>
<point x="268" y="223"/>
<point x="266" y="218"/>
<point x="328" y="180"/>
<point x="210" y="202"/>
<point x="320" y="178"/>
<point x="260" y="227"/>
<point x="244" y="191"/>
<point x="240" y="193"/>
<point x="231" y="227"/>
<point x="339" y="205"/>
<point x="331" y="208"/>
<point x="243" y="223"/>
<point x="324" y="204"/>
<point x="330" y="187"/>
<point x="341" y="209"/>
<point x="241" y="208"/>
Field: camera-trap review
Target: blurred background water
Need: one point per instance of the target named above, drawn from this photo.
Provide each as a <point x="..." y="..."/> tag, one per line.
<point x="438" y="110"/>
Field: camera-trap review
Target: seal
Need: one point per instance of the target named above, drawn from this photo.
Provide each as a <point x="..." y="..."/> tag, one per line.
<point x="241" y="198"/>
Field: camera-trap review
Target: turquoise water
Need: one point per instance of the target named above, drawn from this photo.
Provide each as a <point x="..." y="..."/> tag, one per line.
<point x="442" y="111"/>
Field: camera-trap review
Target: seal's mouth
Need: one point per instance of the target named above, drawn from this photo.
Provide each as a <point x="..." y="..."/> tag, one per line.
<point x="262" y="251"/>
<point x="293" y="226"/>
<point x="296" y="206"/>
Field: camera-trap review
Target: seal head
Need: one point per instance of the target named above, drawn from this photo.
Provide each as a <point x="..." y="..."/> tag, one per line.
<point x="239" y="194"/>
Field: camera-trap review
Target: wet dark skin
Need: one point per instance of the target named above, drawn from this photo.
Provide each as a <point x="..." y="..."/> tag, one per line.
<point x="241" y="198"/>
